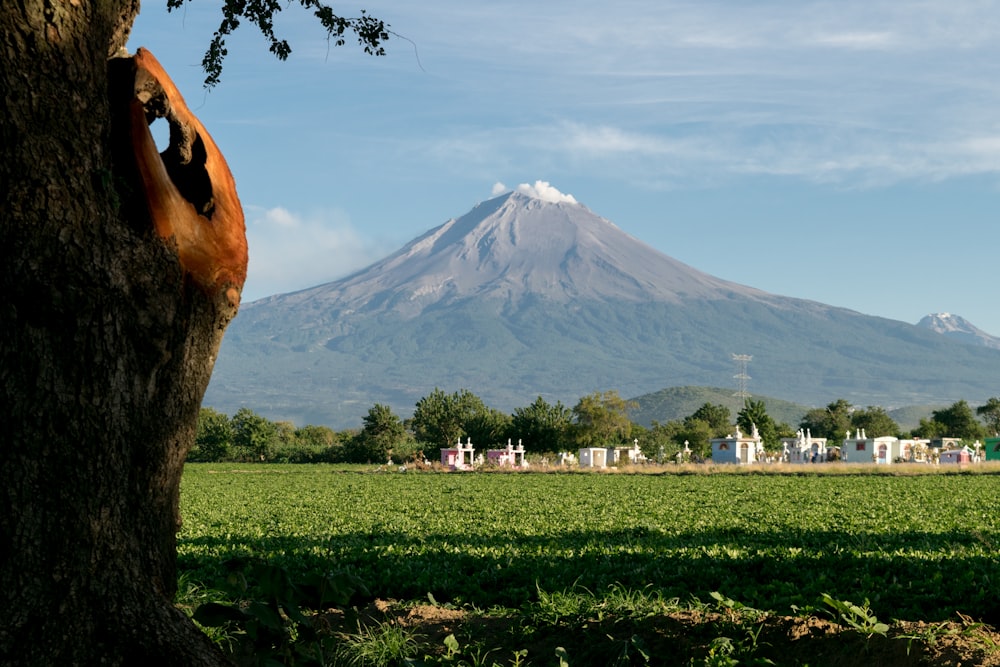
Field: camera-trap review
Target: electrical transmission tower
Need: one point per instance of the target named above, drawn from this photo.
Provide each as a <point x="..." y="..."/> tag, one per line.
<point x="741" y="376"/>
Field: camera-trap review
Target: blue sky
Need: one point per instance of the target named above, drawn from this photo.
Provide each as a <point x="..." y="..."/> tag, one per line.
<point x="844" y="152"/>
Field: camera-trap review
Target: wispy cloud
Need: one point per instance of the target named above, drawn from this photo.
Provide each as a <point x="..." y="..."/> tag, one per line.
<point x="859" y="40"/>
<point x="844" y="91"/>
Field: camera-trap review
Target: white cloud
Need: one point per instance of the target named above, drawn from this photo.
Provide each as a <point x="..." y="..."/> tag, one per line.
<point x="279" y="217"/>
<point x="542" y="190"/>
<point x="291" y="251"/>
<point x="498" y="189"/>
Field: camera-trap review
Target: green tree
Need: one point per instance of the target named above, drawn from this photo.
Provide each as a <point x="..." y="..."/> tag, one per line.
<point x="255" y="437"/>
<point x="754" y="413"/>
<point x="717" y="417"/>
<point x="318" y="437"/>
<point x="958" y="421"/>
<point x="487" y="426"/>
<point x="284" y="434"/>
<point x="542" y="427"/>
<point x="875" y="422"/>
<point x="440" y="419"/>
<point x="698" y="435"/>
<point x="288" y="448"/>
<point x="661" y="442"/>
<point x="109" y="331"/>
<point x="317" y="444"/>
<point x="602" y="419"/>
<point x="990" y="413"/>
<point x="930" y="429"/>
<point x="831" y="422"/>
<point x="382" y="431"/>
<point x="213" y="439"/>
<point x="434" y="420"/>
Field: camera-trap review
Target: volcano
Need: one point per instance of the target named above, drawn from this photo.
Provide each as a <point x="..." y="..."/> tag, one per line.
<point x="523" y="297"/>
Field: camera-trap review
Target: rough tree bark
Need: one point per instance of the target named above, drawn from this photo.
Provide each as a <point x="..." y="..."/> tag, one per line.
<point x="119" y="274"/>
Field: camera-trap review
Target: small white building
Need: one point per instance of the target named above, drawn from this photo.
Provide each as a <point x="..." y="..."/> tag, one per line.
<point x="626" y="455"/>
<point x="740" y="449"/>
<point x="593" y="457"/>
<point x="565" y="459"/>
<point x="862" y="449"/>
<point x="602" y="457"/>
<point x="803" y="448"/>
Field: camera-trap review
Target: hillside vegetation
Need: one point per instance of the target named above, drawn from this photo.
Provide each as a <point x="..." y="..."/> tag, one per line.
<point x="679" y="402"/>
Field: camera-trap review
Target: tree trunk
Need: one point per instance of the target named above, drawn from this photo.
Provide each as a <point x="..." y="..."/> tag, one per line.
<point x="108" y="335"/>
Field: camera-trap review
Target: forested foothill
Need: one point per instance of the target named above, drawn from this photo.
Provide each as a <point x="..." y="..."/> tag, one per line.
<point x="601" y="419"/>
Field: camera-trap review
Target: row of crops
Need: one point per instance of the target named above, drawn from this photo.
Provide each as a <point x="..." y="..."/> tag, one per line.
<point x="918" y="547"/>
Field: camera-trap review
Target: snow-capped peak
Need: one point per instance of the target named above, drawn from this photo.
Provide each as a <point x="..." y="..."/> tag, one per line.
<point x="958" y="328"/>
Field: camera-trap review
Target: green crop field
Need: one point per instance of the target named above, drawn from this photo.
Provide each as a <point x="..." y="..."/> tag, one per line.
<point x="918" y="547"/>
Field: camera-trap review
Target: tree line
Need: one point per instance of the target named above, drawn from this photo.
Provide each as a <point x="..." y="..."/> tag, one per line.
<point x="598" y="419"/>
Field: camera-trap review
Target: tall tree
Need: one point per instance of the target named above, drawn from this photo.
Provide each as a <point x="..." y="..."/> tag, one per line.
<point x="120" y="270"/>
<point x="541" y="426"/>
<point x="990" y="413"/>
<point x="318" y="444"/>
<point x="316" y="436"/>
<point x="487" y="426"/>
<point x="696" y="435"/>
<point x="831" y="422"/>
<point x="875" y="422"/>
<point x="254" y="436"/>
<point x="958" y="421"/>
<point x="716" y="417"/>
<point x="754" y="414"/>
<point x="602" y="419"/>
<point x="214" y="437"/>
<point x="442" y="419"/>
<point x="382" y="431"/>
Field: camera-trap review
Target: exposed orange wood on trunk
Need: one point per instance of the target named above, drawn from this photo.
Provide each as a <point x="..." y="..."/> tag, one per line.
<point x="210" y="237"/>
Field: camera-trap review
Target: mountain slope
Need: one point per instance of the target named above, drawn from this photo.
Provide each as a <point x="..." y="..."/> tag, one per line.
<point x="521" y="297"/>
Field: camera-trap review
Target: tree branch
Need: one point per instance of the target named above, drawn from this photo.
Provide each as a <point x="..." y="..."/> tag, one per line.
<point x="371" y="32"/>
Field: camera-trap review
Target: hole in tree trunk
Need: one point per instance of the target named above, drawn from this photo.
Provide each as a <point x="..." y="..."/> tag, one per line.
<point x="160" y="130"/>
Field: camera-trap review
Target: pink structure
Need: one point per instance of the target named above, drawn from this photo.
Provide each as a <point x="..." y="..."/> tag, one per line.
<point x="459" y="457"/>
<point x="963" y="455"/>
<point x="507" y="457"/>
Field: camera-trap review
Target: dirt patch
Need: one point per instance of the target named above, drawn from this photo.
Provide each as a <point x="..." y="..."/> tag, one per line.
<point x="680" y="638"/>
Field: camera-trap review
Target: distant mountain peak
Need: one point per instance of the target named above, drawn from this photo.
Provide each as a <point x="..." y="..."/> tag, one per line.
<point x="958" y="328"/>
